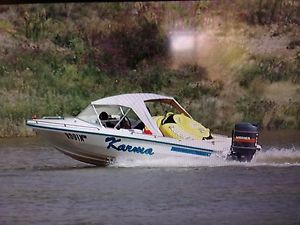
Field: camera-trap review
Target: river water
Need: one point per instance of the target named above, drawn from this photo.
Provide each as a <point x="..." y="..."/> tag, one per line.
<point x="39" y="185"/>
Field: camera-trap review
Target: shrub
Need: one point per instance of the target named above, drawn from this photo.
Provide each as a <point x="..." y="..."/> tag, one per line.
<point x="192" y="71"/>
<point x="150" y="78"/>
<point x="269" y="68"/>
<point x="270" y="11"/>
<point x="36" y="24"/>
<point x="141" y="42"/>
<point x="253" y="108"/>
<point x="197" y="83"/>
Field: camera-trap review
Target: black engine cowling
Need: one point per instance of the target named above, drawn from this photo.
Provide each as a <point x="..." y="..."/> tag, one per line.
<point x="244" y="142"/>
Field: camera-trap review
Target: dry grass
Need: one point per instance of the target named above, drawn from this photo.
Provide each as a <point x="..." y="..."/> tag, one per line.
<point x="282" y="92"/>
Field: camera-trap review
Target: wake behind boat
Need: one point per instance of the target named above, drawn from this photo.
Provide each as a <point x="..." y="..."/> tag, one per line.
<point x="133" y="126"/>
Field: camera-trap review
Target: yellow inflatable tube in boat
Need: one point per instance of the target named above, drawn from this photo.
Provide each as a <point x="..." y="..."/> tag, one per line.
<point x="157" y="120"/>
<point x="181" y="127"/>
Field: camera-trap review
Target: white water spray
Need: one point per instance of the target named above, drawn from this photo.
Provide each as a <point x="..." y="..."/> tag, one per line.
<point x="268" y="157"/>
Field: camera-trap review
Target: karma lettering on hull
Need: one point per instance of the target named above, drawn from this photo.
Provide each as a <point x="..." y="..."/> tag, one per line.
<point x="114" y="143"/>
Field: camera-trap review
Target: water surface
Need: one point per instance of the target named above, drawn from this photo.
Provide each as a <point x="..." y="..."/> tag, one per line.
<point x="39" y="185"/>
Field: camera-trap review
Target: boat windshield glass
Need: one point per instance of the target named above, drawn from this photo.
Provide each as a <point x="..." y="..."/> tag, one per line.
<point x="112" y="116"/>
<point x="157" y="108"/>
<point x="88" y="115"/>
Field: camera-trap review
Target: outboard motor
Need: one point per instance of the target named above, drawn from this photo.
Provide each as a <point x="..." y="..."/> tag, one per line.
<point x="244" y="142"/>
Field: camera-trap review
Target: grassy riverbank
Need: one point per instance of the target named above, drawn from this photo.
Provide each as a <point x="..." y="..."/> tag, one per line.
<point x="56" y="58"/>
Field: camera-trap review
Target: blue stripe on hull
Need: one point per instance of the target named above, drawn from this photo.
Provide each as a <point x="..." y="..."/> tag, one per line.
<point x="190" y="151"/>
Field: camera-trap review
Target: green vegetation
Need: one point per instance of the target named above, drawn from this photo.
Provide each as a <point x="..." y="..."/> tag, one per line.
<point x="272" y="69"/>
<point x="56" y="58"/>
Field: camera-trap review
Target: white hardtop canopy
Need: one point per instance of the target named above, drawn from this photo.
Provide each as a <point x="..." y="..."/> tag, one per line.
<point x="136" y="102"/>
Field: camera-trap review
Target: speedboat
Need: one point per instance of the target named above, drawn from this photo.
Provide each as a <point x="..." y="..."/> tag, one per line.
<point x="141" y="126"/>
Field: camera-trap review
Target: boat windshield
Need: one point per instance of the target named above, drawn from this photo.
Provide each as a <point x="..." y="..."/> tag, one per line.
<point x="88" y="115"/>
<point x="160" y="108"/>
<point x="112" y="116"/>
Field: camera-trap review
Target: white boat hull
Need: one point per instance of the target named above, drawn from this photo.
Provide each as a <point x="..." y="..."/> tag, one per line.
<point x="101" y="146"/>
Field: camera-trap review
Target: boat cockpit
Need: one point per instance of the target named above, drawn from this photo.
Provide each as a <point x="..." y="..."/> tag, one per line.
<point x="157" y="115"/>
